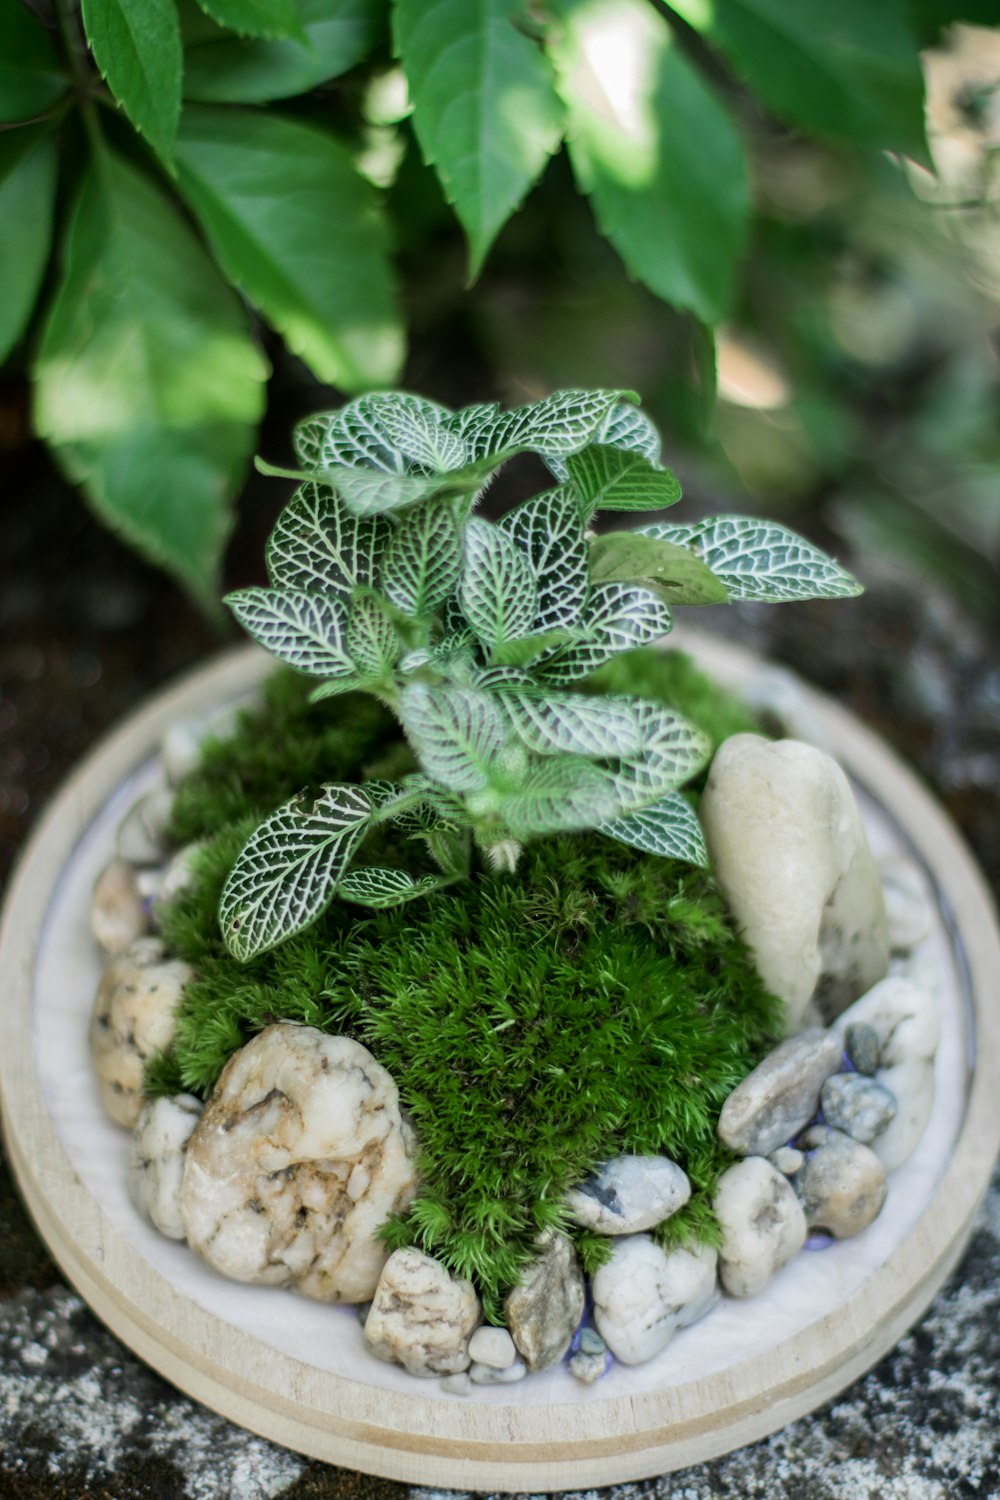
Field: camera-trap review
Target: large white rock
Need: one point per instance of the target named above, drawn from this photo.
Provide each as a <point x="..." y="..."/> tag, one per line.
<point x="134" y="1015"/>
<point x="544" y="1309"/>
<point x="421" y="1316"/>
<point x="905" y="1016"/>
<point x="629" y="1194"/>
<point x="788" y="848"/>
<point x="643" y="1295"/>
<point x="300" y="1157"/>
<point x="156" y="1164"/>
<point x="762" y="1225"/>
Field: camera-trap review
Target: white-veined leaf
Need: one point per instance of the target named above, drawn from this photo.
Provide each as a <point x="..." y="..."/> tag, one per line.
<point x="371" y="885"/>
<point x="528" y="648"/>
<point x="608" y="478"/>
<point x="669" y="828"/>
<point x="548" y="530"/>
<point x="423" y="560"/>
<point x="625" y="426"/>
<point x="498" y="594"/>
<point x="758" y="559"/>
<point x="676" y="573"/>
<point x="618" y="617"/>
<point x="455" y="731"/>
<point x="372" y="641"/>
<point x="369" y="492"/>
<point x="303" y="630"/>
<point x="672" y="751"/>
<point x="502" y="678"/>
<point x="564" y="794"/>
<point x="338" y="686"/>
<point x="286" y="873"/>
<point x="599" y="728"/>
<point x="559" y="425"/>
<point x="319" y="545"/>
<point x="372" y="432"/>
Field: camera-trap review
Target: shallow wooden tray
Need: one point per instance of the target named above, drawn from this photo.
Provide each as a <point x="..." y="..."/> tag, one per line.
<point x="225" y="1345"/>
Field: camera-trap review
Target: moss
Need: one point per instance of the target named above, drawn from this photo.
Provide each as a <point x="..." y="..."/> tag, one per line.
<point x="595" y="1001"/>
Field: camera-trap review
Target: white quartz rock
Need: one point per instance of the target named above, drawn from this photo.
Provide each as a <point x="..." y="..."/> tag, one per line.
<point x="908" y="902"/>
<point x="544" y="1310"/>
<point x="492" y="1346"/>
<point x="762" y="1225"/>
<point x="421" y="1316"/>
<point x="118" y="913"/>
<point x="156" y="1164"/>
<point x="300" y="1157"/>
<point x="141" y="837"/>
<point x="789" y="849"/>
<point x="134" y="1015"/>
<point x="912" y="1083"/>
<point x="628" y="1194"/>
<point x="904" y="1014"/>
<point x="643" y="1295"/>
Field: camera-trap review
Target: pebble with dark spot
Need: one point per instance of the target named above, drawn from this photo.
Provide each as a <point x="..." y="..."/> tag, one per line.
<point x="842" y="1185"/>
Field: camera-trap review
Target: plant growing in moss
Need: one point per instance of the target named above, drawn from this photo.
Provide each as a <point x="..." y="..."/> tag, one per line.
<point x="477" y="636"/>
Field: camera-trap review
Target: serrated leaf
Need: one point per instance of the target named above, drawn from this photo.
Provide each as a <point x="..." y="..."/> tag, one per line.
<point x="257" y="18"/>
<point x="484" y="107"/>
<point x="137" y="46"/>
<point x="559" y="795"/>
<point x="654" y="149"/>
<point x="548" y="531"/>
<point x="609" y="478"/>
<point x="851" y="72"/>
<point x="27" y="209"/>
<point x="220" y="68"/>
<point x="618" y="617"/>
<point x="676" y="573"/>
<point x="596" y="727"/>
<point x="147" y="383"/>
<point x="287" y="872"/>
<point x="31" y="76"/>
<point x="758" y="559"/>
<point x="305" y="631"/>
<point x="455" y="732"/>
<point x="320" y="546"/>
<point x="371" y="885"/>
<point x="625" y="426"/>
<point x="669" y="828"/>
<point x="559" y="424"/>
<point x="498" y="593"/>
<point x="372" y="641"/>
<point x="423" y="560"/>
<point x="320" y="275"/>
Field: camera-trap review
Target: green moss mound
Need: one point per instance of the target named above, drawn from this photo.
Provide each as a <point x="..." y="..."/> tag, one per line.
<point x="596" y="1001"/>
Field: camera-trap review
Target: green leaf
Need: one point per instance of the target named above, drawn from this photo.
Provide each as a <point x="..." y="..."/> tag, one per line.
<point x="222" y="69"/>
<point x="455" y="732"/>
<point x="137" y="46"/>
<point x="27" y="209"/>
<point x="423" y="560"/>
<point x="286" y="874"/>
<point x="296" y="227"/>
<point x="548" y="531"/>
<point x="560" y="795"/>
<point x="484" y="107"/>
<point x="758" y="559"/>
<point x="147" y="383"/>
<point x="618" y="617"/>
<point x="623" y="426"/>
<point x="556" y="426"/>
<point x="320" y="546"/>
<point x="669" y="828"/>
<point x="31" y="80"/>
<point x="258" y="18"/>
<point x="676" y="573"/>
<point x="513" y="655"/>
<point x="372" y="642"/>
<point x="672" y="751"/>
<point x="655" y="150"/>
<point x="302" y="630"/>
<point x="596" y="727"/>
<point x="367" y="433"/>
<point x="850" y="71"/>
<point x="372" y="886"/>
<point x="607" y="478"/>
<point x="498" y="595"/>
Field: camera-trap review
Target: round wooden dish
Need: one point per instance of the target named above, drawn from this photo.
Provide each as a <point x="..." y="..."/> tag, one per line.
<point x="298" y="1373"/>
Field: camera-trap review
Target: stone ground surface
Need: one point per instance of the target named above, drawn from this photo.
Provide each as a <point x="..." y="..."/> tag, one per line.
<point x="84" y="632"/>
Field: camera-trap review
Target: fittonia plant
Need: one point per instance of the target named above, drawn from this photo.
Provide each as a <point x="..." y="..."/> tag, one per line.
<point x="477" y="635"/>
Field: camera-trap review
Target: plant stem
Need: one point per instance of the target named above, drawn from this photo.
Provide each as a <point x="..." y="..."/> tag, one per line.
<point x="72" y="42"/>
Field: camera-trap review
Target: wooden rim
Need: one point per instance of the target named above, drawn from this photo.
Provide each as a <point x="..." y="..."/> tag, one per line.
<point x="465" y="1444"/>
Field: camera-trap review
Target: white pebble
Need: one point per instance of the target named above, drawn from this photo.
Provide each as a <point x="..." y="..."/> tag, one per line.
<point x="908" y="902"/>
<point x="492" y="1346"/>
<point x="118" y="914"/>
<point x="904" y="1015"/>
<point x="912" y="1084"/>
<point x="481" y="1374"/>
<point x="156" y="1163"/>
<point x="643" y="1295"/>
<point x="141" y="836"/>
<point x="762" y="1225"/>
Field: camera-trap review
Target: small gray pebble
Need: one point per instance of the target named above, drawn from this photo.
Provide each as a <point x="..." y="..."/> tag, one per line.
<point x="591" y="1342"/>
<point x="861" y="1046"/>
<point x="489" y="1375"/>
<point x="588" y="1367"/>
<point x="787" y="1160"/>
<point x="456" y="1385"/>
<point x="858" y="1106"/>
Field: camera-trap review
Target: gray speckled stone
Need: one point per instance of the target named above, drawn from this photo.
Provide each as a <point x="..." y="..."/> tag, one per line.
<point x="858" y="1106"/>
<point x="780" y="1095"/>
<point x="861" y="1046"/>
<point x="842" y="1186"/>
<point x="544" y="1310"/>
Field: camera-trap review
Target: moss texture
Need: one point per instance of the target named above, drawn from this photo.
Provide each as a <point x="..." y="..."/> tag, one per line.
<point x="596" y="1001"/>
